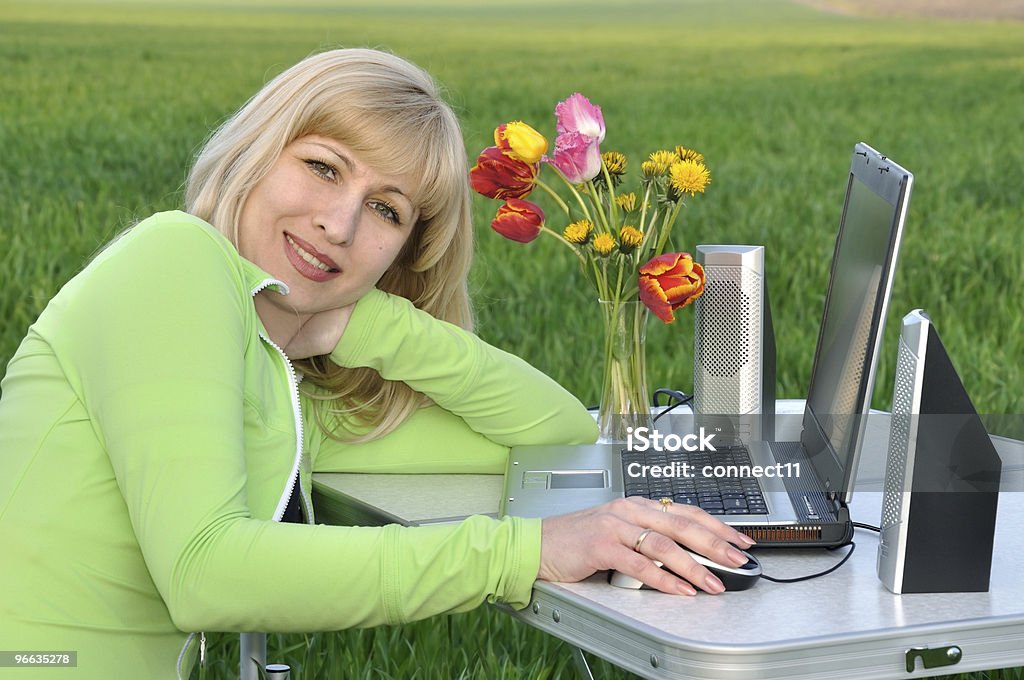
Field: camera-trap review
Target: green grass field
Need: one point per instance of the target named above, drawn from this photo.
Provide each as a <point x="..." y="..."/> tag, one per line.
<point x="103" y="105"/>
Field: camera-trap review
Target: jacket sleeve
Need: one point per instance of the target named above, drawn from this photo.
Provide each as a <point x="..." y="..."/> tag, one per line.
<point x="155" y="341"/>
<point x="486" y="400"/>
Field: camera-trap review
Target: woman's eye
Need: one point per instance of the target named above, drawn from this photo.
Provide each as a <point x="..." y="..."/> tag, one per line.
<point x="386" y="211"/>
<point x="322" y="170"/>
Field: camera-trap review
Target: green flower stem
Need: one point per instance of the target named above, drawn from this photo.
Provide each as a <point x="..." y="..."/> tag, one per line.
<point x="599" y="281"/>
<point x="643" y="216"/>
<point x="603" y="291"/>
<point x="613" y="209"/>
<point x="595" y="200"/>
<point x="561" y="238"/>
<point x="624" y="400"/>
<point x="652" y="235"/>
<point x="583" y="204"/>
<point x="618" y="281"/>
<point x="558" y="199"/>
<point x="666" y="229"/>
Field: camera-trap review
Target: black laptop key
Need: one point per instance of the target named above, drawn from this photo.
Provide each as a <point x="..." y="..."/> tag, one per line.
<point x="734" y="503"/>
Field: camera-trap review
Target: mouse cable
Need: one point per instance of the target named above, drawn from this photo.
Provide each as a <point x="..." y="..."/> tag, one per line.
<point x="853" y="547"/>
<point x="680" y="398"/>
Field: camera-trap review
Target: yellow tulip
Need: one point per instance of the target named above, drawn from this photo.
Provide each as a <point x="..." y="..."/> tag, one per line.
<point x="521" y="141"/>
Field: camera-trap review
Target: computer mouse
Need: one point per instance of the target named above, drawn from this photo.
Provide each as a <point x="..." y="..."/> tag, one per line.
<point x="733" y="578"/>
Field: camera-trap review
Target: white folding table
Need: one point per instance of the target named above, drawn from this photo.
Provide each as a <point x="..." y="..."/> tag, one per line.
<point x="842" y="625"/>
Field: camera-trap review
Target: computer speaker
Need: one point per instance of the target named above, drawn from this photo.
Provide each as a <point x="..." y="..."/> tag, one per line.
<point x="734" y="345"/>
<point x="942" y="475"/>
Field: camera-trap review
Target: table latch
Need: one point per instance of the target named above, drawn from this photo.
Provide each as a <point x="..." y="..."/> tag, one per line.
<point x="933" y="658"/>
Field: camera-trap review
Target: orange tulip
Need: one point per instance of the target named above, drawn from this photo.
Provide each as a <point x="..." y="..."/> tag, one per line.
<point x="519" y="220"/>
<point x="668" y="282"/>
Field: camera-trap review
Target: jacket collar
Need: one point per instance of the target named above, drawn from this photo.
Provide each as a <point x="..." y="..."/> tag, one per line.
<point x="257" y="280"/>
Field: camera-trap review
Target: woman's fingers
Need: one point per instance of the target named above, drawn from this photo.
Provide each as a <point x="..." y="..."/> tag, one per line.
<point x="635" y="550"/>
<point x="642" y="567"/>
<point x="629" y="534"/>
<point x="690" y="526"/>
<point x="680" y="567"/>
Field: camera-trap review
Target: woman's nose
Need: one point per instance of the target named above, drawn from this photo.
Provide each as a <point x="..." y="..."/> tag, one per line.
<point x="340" y="222"/>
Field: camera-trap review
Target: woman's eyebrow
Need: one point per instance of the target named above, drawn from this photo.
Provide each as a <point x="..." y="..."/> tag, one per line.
<point x="342" y="157"/>
<point x="390" y="188"/>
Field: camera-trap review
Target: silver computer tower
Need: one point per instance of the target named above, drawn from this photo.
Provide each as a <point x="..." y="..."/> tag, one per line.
<point x="734" y="345"/>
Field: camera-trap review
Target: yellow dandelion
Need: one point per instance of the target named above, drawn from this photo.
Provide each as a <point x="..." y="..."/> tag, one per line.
<point x="661" y="160"/>
<point x="626" y="201"/>
<point x="578" y="232"/>
<point x="689" y="177"/>
<point x="604" y="244"/>
<point x="614" y="162"/>
<point x="649" y="169"/>
<point x="685" y="154"/>
<point x="629" y="239"/>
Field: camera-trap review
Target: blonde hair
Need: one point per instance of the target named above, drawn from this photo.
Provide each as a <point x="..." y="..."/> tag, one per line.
<point x="392" y="114"/>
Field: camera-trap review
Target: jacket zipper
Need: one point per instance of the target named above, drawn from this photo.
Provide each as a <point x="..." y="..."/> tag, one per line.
<point x="293" y="478"/>
<point x="293" y="389"/>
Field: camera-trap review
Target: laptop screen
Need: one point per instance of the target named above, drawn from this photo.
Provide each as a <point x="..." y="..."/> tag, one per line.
<point x="852" y="323"/>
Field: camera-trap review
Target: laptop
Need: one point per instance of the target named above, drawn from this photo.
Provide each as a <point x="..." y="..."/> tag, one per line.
<point x="780" y="493"/>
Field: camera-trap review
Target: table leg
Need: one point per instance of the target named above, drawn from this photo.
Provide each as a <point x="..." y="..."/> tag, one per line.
<point x="252" y="646"/>
<point x="582" y="668"/>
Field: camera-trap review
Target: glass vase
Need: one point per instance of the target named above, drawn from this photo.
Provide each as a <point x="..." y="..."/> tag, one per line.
<point x="624" y="402"/>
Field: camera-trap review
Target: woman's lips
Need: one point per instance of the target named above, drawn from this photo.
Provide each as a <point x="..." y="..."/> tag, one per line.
<point x="308" y="261"/>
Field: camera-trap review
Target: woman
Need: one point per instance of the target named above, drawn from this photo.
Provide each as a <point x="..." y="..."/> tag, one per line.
<point x="307" y="312"/>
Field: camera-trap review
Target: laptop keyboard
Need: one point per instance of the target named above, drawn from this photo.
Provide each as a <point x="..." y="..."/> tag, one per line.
<point x="717" y="495"/>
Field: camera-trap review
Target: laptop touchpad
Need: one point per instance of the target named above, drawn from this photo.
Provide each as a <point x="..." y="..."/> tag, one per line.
<point x="566" y="479"/>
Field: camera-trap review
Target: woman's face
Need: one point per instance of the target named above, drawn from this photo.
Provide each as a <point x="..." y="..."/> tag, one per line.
<point x="325" y="223"/>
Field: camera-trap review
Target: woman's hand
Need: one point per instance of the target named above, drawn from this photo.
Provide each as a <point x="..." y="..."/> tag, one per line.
<point x="575" y="546"/>
<point x="319" y="334"/>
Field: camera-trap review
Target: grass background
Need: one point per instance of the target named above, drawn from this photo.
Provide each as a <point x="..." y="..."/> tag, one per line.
<point x="102" y="107"/>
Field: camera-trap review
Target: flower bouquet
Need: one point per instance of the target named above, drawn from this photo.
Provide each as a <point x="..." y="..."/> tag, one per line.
<point x="620" y="237"/>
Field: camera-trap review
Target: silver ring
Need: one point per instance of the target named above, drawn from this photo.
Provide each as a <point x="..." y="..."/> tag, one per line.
<point x="640" y="539"/>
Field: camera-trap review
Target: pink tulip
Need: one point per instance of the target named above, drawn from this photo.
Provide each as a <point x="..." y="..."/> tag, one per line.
<point x="577" y="114"/>
<point x="580" y="132"/>
<point x="577" y="157"/>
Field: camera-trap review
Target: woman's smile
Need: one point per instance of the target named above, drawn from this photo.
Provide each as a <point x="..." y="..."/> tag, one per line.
<point x="308" y="261"/>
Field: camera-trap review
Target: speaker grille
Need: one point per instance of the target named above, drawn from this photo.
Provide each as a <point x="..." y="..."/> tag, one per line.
<point x="727" y="342"/>
<point x="899" y="436"/>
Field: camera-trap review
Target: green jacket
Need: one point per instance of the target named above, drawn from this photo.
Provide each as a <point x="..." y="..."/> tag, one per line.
<point x="150" y="434"/>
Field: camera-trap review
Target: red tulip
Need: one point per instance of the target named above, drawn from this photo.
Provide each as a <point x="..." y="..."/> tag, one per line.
<point x="668" y="282"/>
<point x="519" y="220"/>
<point x="498" y="175"/>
